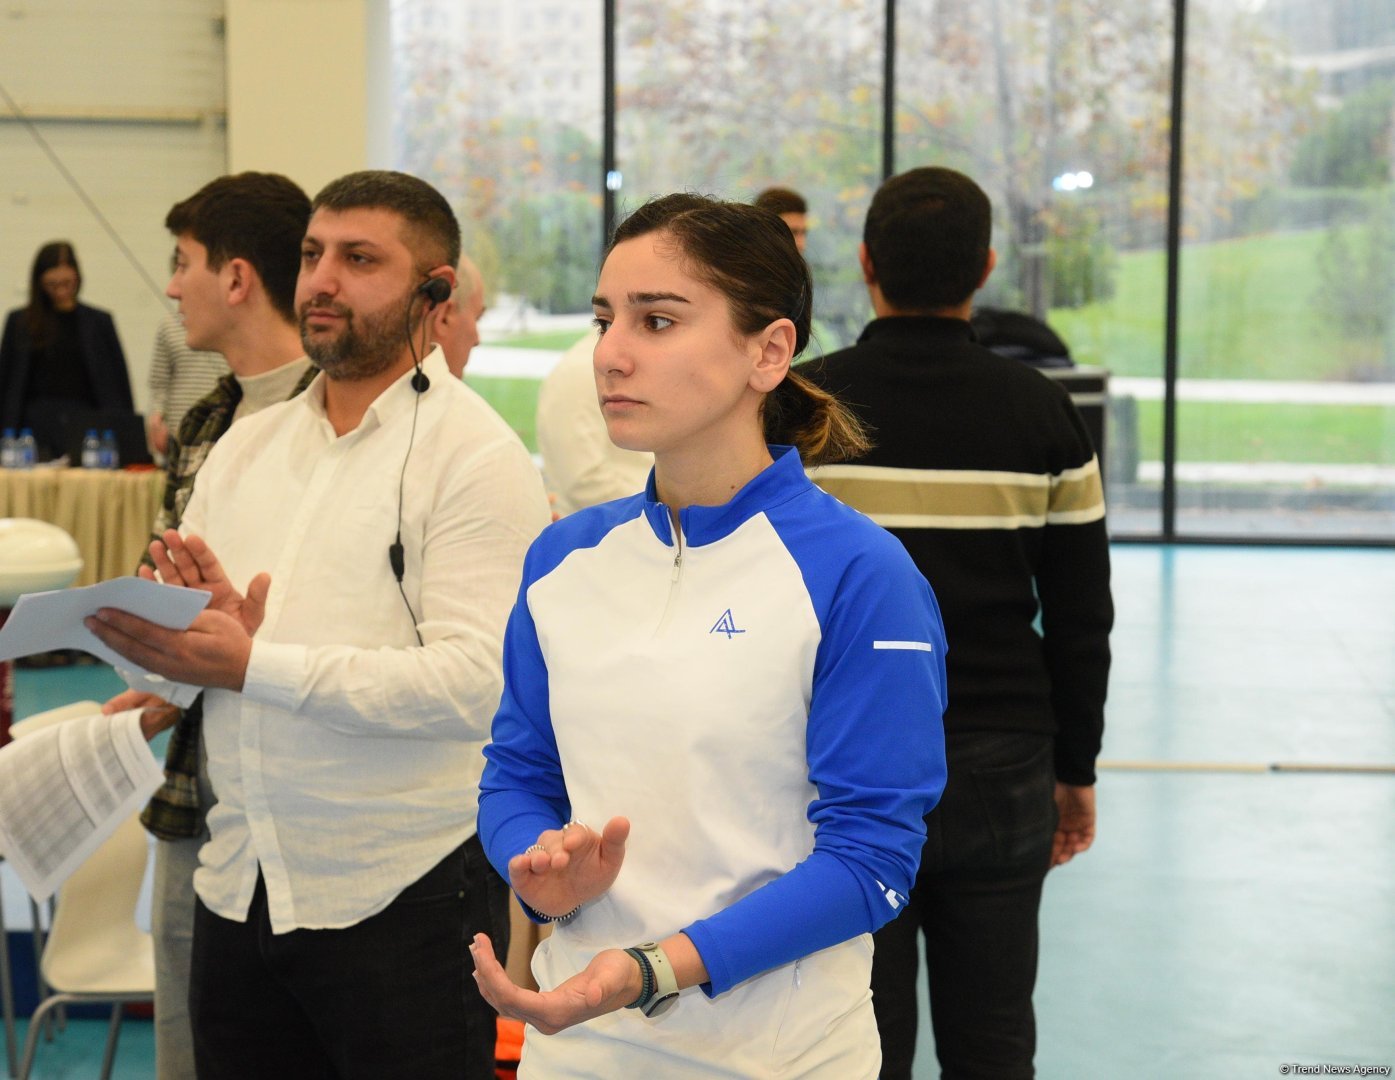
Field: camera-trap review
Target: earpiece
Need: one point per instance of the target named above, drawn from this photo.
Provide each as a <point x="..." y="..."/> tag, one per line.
<point x="435" y="289"/>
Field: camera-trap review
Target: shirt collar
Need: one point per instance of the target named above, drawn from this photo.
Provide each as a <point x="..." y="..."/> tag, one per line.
<point x="778" y="482"/>
<point x="917" y="327"/>
<point x="397" y="398"/>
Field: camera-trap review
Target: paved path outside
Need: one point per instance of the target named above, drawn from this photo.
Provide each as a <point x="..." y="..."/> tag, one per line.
<point x="1259" y="391"/>
<point x="1267" y="472"/>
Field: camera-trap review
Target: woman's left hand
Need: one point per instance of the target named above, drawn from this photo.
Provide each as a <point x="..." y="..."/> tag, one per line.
<point x="610" y="981"/>
<point x="569" y="866"/>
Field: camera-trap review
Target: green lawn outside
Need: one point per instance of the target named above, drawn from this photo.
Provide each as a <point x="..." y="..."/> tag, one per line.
<point x="1249" y="310"/>
<point x="516" y="400"/>
<point x="1227" y="431"/>
<point x="1207" y="431"/>
<point x="544" y="339"/>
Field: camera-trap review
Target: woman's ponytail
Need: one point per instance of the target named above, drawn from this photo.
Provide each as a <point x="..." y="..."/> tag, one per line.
<point x="814" y="422"/>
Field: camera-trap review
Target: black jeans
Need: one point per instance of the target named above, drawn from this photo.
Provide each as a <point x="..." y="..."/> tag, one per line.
<point x="976" y="897"/>
<point x="393" y="995"/>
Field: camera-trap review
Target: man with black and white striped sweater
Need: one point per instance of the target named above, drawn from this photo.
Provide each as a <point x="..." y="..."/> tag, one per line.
<point x="985" y="472"/>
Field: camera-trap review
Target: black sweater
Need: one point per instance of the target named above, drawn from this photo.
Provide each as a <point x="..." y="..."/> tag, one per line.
<point x="983" y="469"/>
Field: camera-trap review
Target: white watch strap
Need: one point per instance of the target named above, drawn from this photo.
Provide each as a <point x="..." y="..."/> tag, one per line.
<point x="665" y="978"/>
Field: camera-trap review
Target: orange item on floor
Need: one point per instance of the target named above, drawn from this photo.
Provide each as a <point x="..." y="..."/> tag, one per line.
<point x="508" y="1049"/>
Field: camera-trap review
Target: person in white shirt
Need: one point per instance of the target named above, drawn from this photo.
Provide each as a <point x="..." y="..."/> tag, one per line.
<point x="581" y="465"/>
<point x="376" y="526"/>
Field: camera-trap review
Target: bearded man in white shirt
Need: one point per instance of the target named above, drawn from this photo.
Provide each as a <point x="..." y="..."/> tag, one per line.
<point x="376" y="527"/>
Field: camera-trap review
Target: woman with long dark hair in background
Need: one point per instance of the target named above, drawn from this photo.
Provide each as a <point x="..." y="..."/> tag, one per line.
<point x="59" y="357"/>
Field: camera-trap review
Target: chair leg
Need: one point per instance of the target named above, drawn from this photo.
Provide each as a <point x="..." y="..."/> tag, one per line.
<point x="7" y="995"/>
<point x="37" y="930"/>
<point x="59" y="1020"/>
<point x="113" y="1034"/>
<point x="36" y="1024"/>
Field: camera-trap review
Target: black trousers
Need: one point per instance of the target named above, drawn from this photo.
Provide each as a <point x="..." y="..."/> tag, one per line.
<point x="393" y="995"/>
<point x="976" y="897"/>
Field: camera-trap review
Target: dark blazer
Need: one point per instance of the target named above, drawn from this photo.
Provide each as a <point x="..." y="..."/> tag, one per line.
<point x="101" y="349"/>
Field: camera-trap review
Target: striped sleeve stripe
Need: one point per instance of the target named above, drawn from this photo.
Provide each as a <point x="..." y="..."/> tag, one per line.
<point x="1076" y="495"/>
<point x="934" y="476"/>
<point x="966" y="498"/>
<point x="912" y="646"/>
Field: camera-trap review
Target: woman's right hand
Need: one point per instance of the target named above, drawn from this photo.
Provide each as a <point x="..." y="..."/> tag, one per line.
<point x="569" y="866"/>
<point x="609" y="982"/>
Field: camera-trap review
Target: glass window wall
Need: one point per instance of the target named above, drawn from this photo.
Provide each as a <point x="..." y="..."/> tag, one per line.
<point x="1059" y="110"/>
<point x="500" y="107"/>
<point x="1286" y="351"/>
<point x="1062" y="109"/>
<point x="728" y="97"/>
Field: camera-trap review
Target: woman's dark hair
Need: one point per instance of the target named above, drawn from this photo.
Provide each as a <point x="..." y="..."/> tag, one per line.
<point x="748" y="255"/>
<point x="40" y="315"/>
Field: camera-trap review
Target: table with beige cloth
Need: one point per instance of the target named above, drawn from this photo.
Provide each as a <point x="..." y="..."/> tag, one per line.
<point x="108" y="512"/>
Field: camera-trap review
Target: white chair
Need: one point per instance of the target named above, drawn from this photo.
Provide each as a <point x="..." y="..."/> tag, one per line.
<point x="18" y="730"/>
<point x="95" y="950"/>
<point x="21" y="728"/>
<point x="34" y="555"/>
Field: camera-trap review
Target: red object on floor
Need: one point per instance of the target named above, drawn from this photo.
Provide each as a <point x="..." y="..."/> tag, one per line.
<point x="509" y="1049"/>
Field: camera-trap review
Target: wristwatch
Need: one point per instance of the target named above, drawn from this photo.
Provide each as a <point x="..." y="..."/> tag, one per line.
<point x="660" y="984"/>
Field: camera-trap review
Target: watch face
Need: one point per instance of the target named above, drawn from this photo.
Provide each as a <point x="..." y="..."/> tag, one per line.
<point x="659" y="1006"/>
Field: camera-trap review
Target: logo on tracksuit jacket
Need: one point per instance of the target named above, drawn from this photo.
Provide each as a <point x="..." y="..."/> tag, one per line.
<point x="725" y="625"/>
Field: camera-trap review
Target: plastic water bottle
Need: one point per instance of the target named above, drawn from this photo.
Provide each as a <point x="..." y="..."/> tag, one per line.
<point x="7" y="449"/>
<point x="91" y="450"/>
<point x="111" y="459"/>
<point x="26" y="450"/>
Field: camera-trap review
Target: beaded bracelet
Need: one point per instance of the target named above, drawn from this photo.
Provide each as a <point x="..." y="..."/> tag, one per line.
<point x="559" y="920"/>
<point x="647" y="978"/>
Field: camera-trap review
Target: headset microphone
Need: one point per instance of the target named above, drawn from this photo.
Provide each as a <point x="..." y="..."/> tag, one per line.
<point x="436" y="291"/>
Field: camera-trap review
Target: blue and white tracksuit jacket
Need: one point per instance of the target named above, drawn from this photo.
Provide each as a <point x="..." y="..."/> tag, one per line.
<point x="761" y="696"/>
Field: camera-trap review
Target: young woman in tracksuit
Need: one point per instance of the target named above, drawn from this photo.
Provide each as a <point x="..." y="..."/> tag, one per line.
<point x="735" y="679"/>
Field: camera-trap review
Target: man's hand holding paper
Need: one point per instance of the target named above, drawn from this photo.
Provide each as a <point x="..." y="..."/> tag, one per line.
<point x="214" y="649"/>
<point x="45" y="621"/>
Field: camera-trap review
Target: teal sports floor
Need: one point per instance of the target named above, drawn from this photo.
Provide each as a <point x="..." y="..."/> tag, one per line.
<point x="1231" y="919"/>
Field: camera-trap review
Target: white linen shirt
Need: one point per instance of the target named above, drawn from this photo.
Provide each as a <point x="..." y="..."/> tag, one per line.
<point x="349" y="764"/>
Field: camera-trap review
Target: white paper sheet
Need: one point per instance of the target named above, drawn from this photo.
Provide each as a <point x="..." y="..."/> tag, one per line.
<point x="64" y="790"/>
<point x="44" y="621"/>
